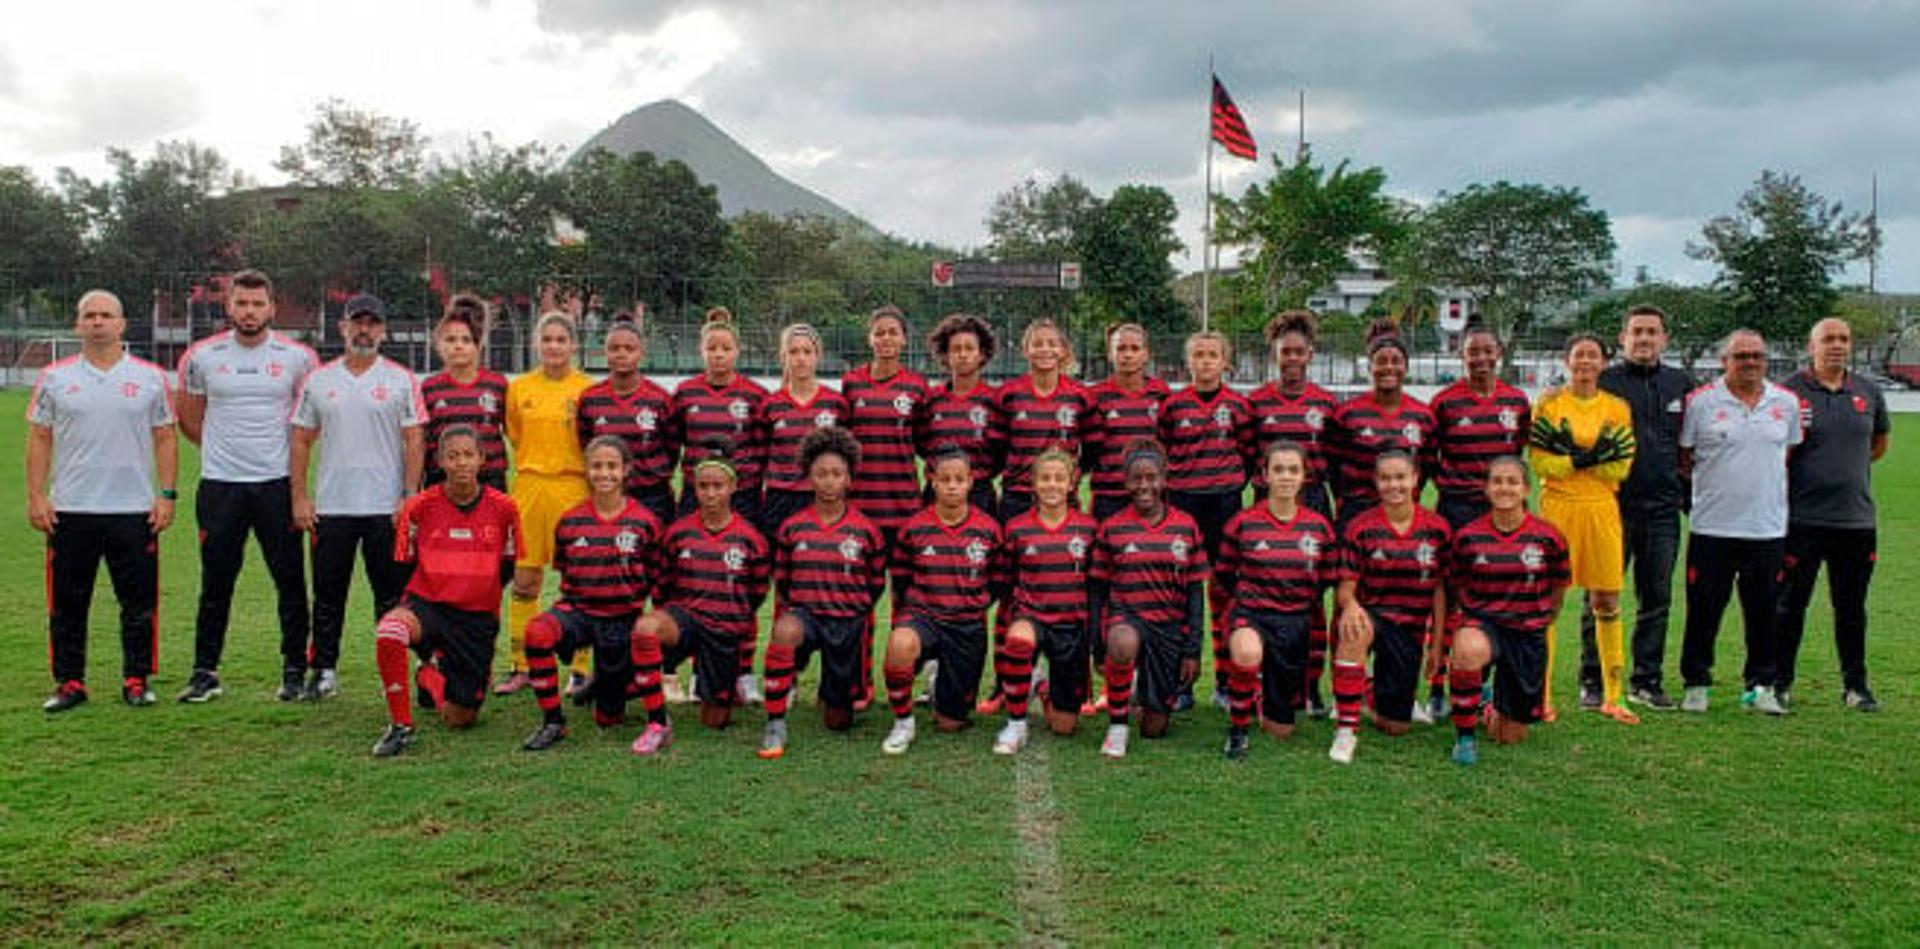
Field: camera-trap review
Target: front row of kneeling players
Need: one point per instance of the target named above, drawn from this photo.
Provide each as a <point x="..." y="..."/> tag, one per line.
<point x="1126" y="594"/>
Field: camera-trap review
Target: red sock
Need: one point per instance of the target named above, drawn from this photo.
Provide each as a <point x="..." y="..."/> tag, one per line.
<point x="647" y="659"/>
<point x="1243" y="683"/>
<point x="543" y="671"/>
<point x="779" y="679"/>
<point x="1349" y="691"/>
<point x="900" y="690"/>
<point x="1465" y="684"/>
<point x="1016" y="673"/>
<point x="429" y="677"/>
<point x="1119" y="676"/>
<point x="390" y="638"/>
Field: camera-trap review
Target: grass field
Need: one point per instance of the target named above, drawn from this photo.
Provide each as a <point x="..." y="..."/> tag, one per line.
<point x="248" y="820"/>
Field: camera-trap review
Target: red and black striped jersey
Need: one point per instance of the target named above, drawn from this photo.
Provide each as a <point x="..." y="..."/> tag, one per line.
<point x="784" y="421"/>
<point x="1209" y="440"/>
<point x="703" y="411"/>
<point x="643" y="419"/>
<point x="457" y="552"/>
<point x="971" y="422"/>
<point x="482" y="404"/>
<point x="884" y="412"/>
<point x="1048" y="567"/>
<point x="1305" y="419"/>
<point x="1474" y="431"/>
<point x="1035" y="422"/>
<point x="1149" y="569"/>
<point x="1124" y="417"/>
<point x="835" y="570"/>
<point x="947" y="572"/>
<point x="1363" y="431"/>
<point x="1509" y="578"/>
<point x="1278" y="566"/>
<point x="1396" y="572"/>
<point x="718" y="576"/>
<point x="607" y="566"/>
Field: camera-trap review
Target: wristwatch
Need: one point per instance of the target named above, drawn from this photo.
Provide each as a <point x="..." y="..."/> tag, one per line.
<point x="169" y="494"/>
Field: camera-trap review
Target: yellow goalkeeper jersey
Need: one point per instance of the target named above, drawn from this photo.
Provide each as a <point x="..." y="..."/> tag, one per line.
<point x="1584" y="418"/>
<point x="540" y="423"/>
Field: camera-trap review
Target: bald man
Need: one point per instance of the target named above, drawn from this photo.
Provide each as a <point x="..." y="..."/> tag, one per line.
<point x="1830" y="511"/>
<point x="101" y="424"/>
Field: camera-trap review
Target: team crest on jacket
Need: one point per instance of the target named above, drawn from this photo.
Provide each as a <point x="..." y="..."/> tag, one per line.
<point x="1532" y="557"/>
<point x="1066" y="416"/>
<point x="850" y="549"/>
<point x="735" y="559"/>
<point x="626" y="541"/>
<point x="488" y="403"/>
<point x="646" y="420"/>
<point x="1310" y="546"/>
<point x="1509" y="419"/>
<point x="976" y="552"/>
<point x="903" y="404"/>
<point x="1179" y="549"/>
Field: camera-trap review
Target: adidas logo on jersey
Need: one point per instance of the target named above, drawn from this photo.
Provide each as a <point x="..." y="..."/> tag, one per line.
<point x="580" y="542"/>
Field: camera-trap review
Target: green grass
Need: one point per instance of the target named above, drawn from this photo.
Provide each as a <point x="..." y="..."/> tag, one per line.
<point x="249" y="820"/>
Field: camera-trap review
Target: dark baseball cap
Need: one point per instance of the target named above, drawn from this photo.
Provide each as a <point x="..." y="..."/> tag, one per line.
<point x="366" y="304"/>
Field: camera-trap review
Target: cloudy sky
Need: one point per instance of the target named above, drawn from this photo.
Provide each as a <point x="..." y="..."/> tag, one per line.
<point x="914" y="115"/>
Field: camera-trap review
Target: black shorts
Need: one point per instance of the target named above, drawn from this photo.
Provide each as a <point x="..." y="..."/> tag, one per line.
<point x="715" y="655"/>
<point x="1067" y="647"/>
<point x="961" y="649"/>
<point x="1283" y="658"/>
<point x="1396" y="666"/>
<point x="1519" y="669"/>
<point x="1210" y="510"/>
<point x="464" y="641"/>
<point x="1156" y="668"/>
<point x="610" y="640"/>
<point x="837" y="639"/>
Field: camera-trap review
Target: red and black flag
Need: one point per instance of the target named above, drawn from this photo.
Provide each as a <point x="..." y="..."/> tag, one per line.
<point x="1229" y="128"/>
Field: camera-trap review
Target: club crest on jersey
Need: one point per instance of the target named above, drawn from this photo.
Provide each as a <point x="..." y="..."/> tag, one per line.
<point x="825" y="419"/>
<point x="976" y="552"/>
<point x="275" y="370"/>
<point x="1423" y="554"/>
<point x="1860" y="404"/>
<point x="1179" y="550"/>
<point x="488" y="403"/>
<point x="130" y="389"/>
<point x="1532" y="557"/>
<point x="978" y="416"/>
<point x="1223" y="416"/>
<point x="739" y="409"/>
<point x="850" y="549"/>
<point x="1066" y="416"/>
<point x="1509" y="419"/>
<point x="735" y="558"/>
<point x="626" y="542"/>
<point x="1315" y="419"/>
<point x="646" y="420"/>
<point x="903" y="404"/>
<point x="1411" y="433"/>
<point x="1077" y="548"/>
<point x="1310" y="546"/>
<point x="379" y="393"/>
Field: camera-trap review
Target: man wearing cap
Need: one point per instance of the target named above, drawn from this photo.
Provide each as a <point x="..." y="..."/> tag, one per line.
<point x="236" y="394"/>
<point x="1734" y="439"/>
<point x="101" y="424"/>
<point x="1830" y="512"/>
<point x="365" y="412"/>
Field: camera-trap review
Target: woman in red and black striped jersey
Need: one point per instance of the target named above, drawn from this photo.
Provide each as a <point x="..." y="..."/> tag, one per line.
<point x="1043" y="408"/>
<point x="1392" y="596"/>
<point x="1481" y="418"/>
<point x="1382" y="419"/>
<point x="1128" y="403"/>
<point x="719" y="406"/>
<point x="1509" y="572"/>
<point x="465" y="392"/>
<point x="1276" y="561"/>
<point x="885" y="400"/>
<point x="1149" y="567"/>
<point x="944" y="566"/>
<point x="964" y="411"/>
<point x="802" y="405"/>
<point x="714" y="570"/>
<point x="1208" y="430"/>
<point x="629" y="406"/>
<point x="1047" y="554"/>
<point x="606" y="550"/>
<point x="830" y="566"/>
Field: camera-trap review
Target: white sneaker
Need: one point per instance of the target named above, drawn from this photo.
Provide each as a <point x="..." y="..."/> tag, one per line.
<point x="932" y="667"/>
<point x="1220" y="700"/>
<point x="748" y="688"/>
<point x="1422" y="714"/>
<point x="1115" y="745"/>
<point x="1766" y="702"/>
<point x="1694" y="699"/>
<point x="1012" y="738"/>
<point x="671" y="690"/>
<point x="900" y="738"/>
<point x="1345" y="740"/>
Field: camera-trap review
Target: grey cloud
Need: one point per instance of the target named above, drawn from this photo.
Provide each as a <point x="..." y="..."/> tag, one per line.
<point x="102" y="110"/>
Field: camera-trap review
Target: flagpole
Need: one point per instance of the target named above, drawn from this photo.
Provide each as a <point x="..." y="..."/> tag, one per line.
<point x="1206" y="214"/>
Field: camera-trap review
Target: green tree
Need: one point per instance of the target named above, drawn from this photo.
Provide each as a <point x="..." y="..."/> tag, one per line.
<point x="1125" y="247"/>
<point x="40" y="243"/>
<point x="1697" y="317"/>
<point x="347" y="147"/>
<point x="499" y="205"/>
<point x="1032" y="222"/>
<point x="650" y="225"/>
<point x="1779" y="251"/>
<point x="155" y="219"/>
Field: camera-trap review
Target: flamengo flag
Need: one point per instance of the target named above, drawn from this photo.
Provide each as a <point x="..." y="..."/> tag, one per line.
<point x="1229" y="128"/>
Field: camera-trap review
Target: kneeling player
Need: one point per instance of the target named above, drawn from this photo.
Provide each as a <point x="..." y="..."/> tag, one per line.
<point x="945" y="562"/>
<point x="606" y="550"/>
<point x="1509" y="574"/>
<point x="1275" y="561"/>
<point x="1152" y="562"/>
<point x="712" y="581"/>
<point x="830" y="566"/>
<point x="460" y="537"/>
<point x="1046" y="553"/>
<point x="1393" y="559"/>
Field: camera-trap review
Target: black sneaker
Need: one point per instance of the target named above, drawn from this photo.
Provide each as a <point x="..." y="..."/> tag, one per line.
<point x="395" y="741"/>
<point x="292" y="684"/>
<point x="1589" y="695"/>
<point x="204" y="686"/>
<point x="71" y="694"/>
<point x="580" y="690"/>
<point x="1859" y="699"/>
<point x="136" y="693"/>
<point x="1237" y="744"/>
<point x="1183" y="702"/>
<point x="546" y="736"/>
<point x="1653" y="697"/>
<point x="322" y="684"/>
<point x="1317" y="706"/>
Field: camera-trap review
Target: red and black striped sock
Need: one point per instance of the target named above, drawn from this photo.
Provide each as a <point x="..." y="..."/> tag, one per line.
<point x="866" y="660"/>
<point x="1243" y="683"/>
<point x="1466" y="699"/>
<point x="1349" y="691"/>
<point x="778" y="686"/>
<point x="749" y="644"/>
<point x="1217" y="610"/>
<point x="1016" y="673"/>
<point x="1317" y="641"/>
<point x="900" y="690"/>
<point x="647" y="660"/>
<point x="1437" y="680"/>
<point x="1119" y="676"/>
<point x="543" y="671"/>
<point x="390" y="655"/>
